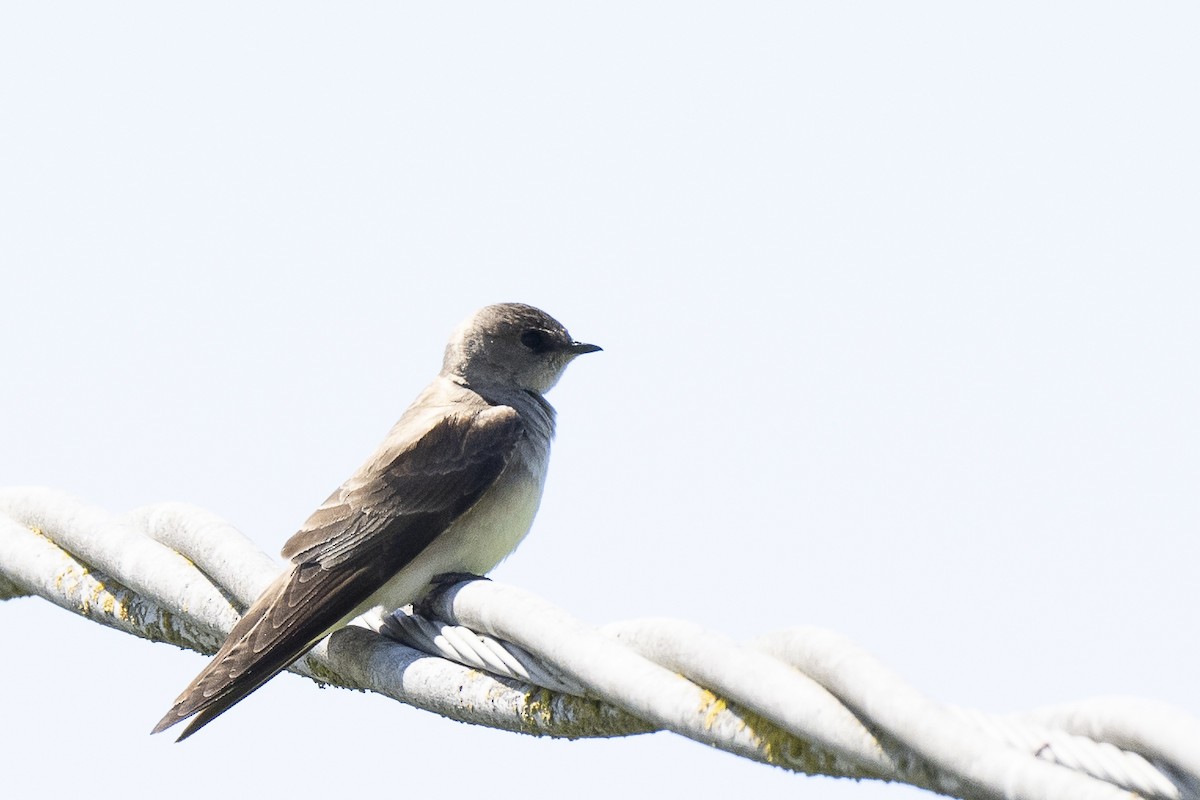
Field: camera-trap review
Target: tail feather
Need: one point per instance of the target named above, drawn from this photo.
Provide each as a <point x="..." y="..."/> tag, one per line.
<point x="242" y="665"/>
<point x="204" y="710"/>
<point x="302" y="605"/>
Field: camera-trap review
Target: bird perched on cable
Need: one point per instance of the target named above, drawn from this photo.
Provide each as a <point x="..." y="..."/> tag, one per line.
<point x="452" y="489"/>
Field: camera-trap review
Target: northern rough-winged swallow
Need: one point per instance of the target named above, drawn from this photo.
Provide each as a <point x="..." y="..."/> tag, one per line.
<point x="452" y="489"/>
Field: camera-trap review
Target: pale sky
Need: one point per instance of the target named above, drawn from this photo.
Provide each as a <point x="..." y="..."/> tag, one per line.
<point x="900" y="306"/>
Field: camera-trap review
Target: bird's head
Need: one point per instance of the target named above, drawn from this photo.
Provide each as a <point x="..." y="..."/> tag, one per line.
<point x="511" y="346"/>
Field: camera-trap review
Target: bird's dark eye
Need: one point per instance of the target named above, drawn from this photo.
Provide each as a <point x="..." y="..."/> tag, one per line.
<point x="536" y="340"/>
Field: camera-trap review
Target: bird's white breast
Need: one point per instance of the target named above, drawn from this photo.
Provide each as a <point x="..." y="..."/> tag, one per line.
<point x="478" y="540"/>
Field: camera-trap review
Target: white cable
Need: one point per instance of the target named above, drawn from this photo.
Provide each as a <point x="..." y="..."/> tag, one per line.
<point x="1099" y="759"/>
<point x="103" y="543"/>
<point x="806" y="699"/>
<point x="965" y="762"/>
<point x="474" y="650"/>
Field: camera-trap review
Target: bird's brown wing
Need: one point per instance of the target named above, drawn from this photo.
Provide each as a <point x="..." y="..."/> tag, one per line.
<point x="369" y="529"/>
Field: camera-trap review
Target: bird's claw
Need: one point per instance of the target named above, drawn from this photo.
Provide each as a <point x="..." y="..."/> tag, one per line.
<point x="450" y="578"/>
<point x="439" y="584"/>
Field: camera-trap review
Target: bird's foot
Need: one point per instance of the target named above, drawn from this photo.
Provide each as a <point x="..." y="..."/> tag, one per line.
<point x="451" y="578"/>
<point x="437" y="585"/>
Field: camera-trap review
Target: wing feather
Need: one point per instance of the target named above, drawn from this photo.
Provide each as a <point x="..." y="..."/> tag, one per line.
<point x="376" y="523"/>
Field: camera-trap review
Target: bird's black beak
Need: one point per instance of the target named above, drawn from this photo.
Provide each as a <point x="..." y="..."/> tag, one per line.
<point x="579" y="348"/>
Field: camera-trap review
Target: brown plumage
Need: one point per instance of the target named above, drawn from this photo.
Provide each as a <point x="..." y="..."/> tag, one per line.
<point x="481" y="425"/>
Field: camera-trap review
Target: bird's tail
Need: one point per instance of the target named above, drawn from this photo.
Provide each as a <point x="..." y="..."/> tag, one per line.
<point x="241" y="665"/>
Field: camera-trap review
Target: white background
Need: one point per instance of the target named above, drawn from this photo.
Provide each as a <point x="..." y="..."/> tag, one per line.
<point x="900" y="306"/>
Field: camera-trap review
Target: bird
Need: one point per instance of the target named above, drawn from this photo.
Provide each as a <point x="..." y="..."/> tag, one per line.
<point x="452" y="489"/>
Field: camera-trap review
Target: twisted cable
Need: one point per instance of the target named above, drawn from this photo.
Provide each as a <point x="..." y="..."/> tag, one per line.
<point x="803" y="699"/>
